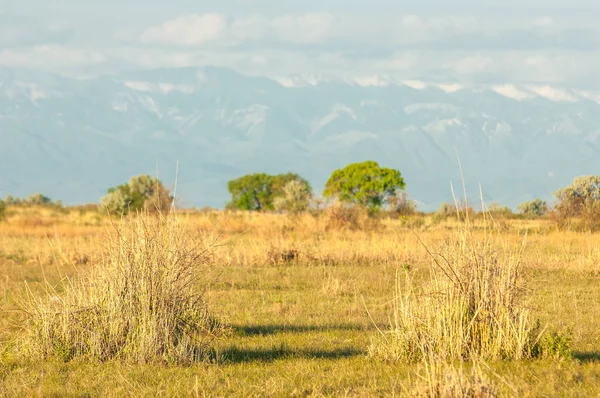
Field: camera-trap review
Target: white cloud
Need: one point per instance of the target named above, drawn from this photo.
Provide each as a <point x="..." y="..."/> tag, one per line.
<point x="190" y="30"/>
<point x="308" y="28"/>
<point x="254" y="27"/>
<point x="472" y="64"/>
<point x="398" y="62"/>
<point x="50" y="56"/>
<point x="302" y="29"/>
<point x="543" y="22"/>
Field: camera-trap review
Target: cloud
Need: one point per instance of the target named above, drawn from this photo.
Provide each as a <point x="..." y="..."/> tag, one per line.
<point x="472" y="64"/>
<point x="202" y="29"/>
<point x="398" y="62"/>
<point x="20" y="30"/>
<point x="547" y="47"/>
<point x="190" y="30"/>
<point x="324" y="30"/>
<point x="308" y="28"/>
<point x="50" y="56"/>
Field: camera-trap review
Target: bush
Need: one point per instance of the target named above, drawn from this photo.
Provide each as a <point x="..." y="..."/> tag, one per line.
<point x="140" y="193"/>
<point x="143" y="303"/>
<point x="556" y="344"/>
<point x="401" y="205"/>
<point x="497" y="210"/>
<point x="353" y="217"/>
<point x="2" y="210"/>
<point x="534" y="208"/>
<point x="448" y="210"/>
<point x="578" y="205"/>
<point x="11" y="200"/>
<point x="38" y="199"/>
<point x="470" y="308"/>
<point x="295" y="198"/>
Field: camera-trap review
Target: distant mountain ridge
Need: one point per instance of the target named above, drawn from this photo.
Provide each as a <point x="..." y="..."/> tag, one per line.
<point x="73" y="138"/>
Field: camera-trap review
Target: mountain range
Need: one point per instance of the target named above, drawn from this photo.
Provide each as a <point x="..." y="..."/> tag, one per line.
<point x="73" y="138"/>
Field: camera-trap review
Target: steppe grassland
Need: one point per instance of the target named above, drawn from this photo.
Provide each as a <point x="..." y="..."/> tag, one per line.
<point x="303" y="298"/>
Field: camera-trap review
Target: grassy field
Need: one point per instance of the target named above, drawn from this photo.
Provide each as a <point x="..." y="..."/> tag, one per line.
<point x="302" y="299"/>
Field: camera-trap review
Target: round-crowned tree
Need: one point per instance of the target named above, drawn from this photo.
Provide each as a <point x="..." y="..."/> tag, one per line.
<point x="258" y="192"/>
<point x="365" y="184"/>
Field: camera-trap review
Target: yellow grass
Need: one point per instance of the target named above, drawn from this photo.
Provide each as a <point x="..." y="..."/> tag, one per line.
<point x="295" y="292"/>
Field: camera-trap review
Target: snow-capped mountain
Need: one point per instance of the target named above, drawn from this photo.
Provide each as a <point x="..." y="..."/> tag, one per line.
<point x="73" y="138"/>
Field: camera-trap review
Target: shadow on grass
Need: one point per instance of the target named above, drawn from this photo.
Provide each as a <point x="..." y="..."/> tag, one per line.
<point x="265" y="330"/>
<point x="237" y="355"/>
<point x="591" y="356"/>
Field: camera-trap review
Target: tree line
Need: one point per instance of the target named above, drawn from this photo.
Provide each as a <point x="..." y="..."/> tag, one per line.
<point x="363" y="184"/>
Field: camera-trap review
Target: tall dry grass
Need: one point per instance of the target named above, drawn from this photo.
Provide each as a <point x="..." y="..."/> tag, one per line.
<point x="143" y="302"/>
<point x="470" y="307"/>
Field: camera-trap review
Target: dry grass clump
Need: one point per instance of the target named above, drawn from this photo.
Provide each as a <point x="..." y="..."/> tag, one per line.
<point x="441" y="380"/>
<point x="470" y="307"/>
<point x="142" y="303"/>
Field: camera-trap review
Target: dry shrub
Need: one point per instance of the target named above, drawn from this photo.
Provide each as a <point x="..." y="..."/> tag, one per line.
<point x="340" y="216"/>
<point x="278" y="256"/>
<point x="470" y="307"/>
<point x="142" y="303"/>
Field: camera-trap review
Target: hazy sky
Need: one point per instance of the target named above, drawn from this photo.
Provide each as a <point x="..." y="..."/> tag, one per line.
<point x="555" y="41"/>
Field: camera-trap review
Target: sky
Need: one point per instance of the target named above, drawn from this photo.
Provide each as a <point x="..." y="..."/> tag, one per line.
<point x="551" y="41"/>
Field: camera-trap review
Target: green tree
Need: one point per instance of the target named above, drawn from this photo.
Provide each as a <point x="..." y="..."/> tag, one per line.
<point x="140" y="193"/>
<point x="365" y="184"/>
<point x="258" y="191"/>
<point x="533" y="208"/>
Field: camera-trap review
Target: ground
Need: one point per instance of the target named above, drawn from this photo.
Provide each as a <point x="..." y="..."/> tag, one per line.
<point x="298" y="325"/>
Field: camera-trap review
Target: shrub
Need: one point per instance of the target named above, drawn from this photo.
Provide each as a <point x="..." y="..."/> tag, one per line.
<point x="497" y="210"/>
<point x="142" y="303"/>
<point x="556" y="344"/>
<point x="580" y="200"/>
<point x="401" y="205"/>
<point x="295" y="198"/>
<point x="2" y="210"/>
<point x="471" y="307"/>
<point x="140" y="193"/>
<point x="38" y="199"/>
<point x="343" y="216"/>
<point x="534" y="208"/>
<point x="448" y="210"/>
<point x="11" y="200"/>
